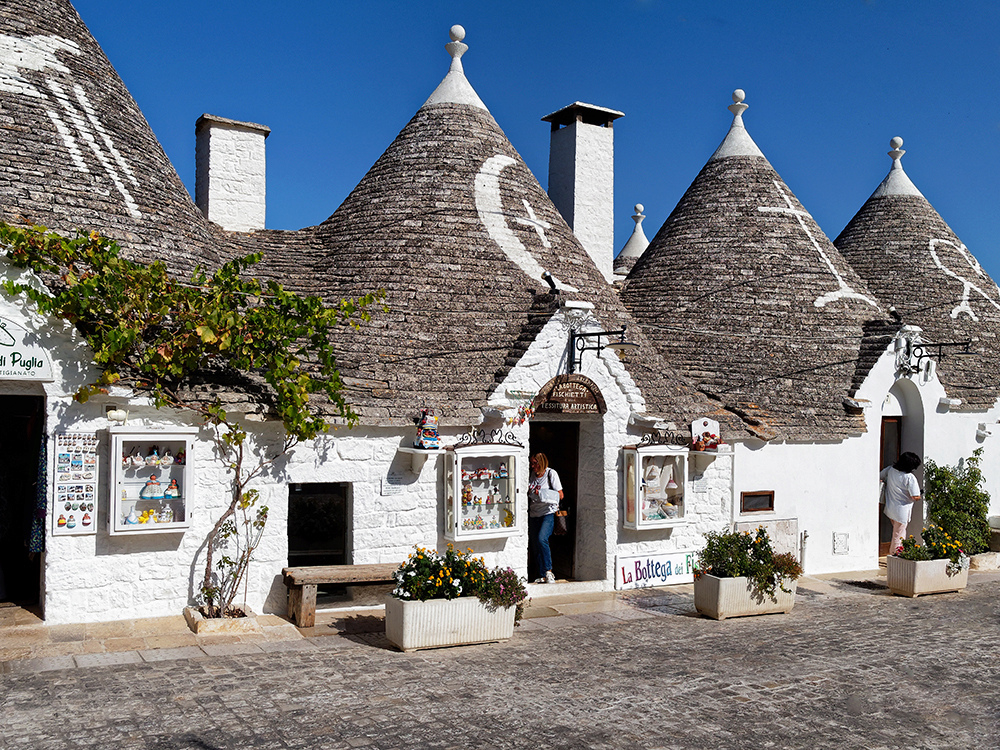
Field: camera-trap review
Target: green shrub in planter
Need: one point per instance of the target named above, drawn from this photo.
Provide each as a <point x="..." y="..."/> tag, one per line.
<point x="428" y="574"/>
<point x="732" y="554"/>
<point x="957" y="503"/>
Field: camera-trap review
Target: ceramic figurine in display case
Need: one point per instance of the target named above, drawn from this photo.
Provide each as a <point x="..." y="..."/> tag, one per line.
<point x="481" y="493"/>
<point x="655" y="483"/>
<point x="149" y="484"/>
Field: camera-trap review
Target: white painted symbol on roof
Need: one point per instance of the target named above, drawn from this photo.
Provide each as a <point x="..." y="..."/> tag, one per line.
<point x="537" y="224"/>
<point x="38" y="53"/>
<point x="843" y="291"/>
<point x="967" y="286"/>
<point x="490" y="207"/>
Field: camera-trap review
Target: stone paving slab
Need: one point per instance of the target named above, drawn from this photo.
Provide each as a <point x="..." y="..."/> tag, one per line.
<point x="231" y="649"/>
<point x="169" y="654"/>
<point x="107" y="659"/>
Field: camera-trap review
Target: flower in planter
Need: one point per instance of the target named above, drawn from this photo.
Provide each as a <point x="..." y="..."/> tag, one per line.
<point x="732" y="554"/>
<point x="428" y="574"/>
<point x="937" y="545"/>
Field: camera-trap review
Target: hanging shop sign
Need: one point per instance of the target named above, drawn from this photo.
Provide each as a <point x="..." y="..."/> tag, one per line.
<point x="20" y="356"/>
<point x="570" y="394"/>
<point x="641" y="571"/>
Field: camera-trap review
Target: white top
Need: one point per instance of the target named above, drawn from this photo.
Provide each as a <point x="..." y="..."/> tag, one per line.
<point x="455" y="88"/>
<point x="738" y="141"/>
<point x="896" y="182"/>
<point x="900" y="489"/>
<point x="637" y="243"/>
<point x="549" y="480"/>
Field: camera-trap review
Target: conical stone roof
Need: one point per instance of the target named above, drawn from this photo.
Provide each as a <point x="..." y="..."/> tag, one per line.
<point x="458" y="232"/>
<point x="912" y="260"/>
<point x="744" y="293"/>
<point x="76" y="152"/>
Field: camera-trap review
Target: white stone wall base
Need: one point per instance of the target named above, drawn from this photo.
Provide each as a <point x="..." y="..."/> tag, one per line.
<point x="442" y="622"/>
<point x="720" y="598"/>
<point x="915" y="577"/>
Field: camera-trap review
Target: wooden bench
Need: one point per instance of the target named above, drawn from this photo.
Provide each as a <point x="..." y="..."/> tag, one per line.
<point x="302" y="583"/>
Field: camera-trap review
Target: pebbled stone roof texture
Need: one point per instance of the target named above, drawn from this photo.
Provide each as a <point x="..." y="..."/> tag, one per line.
<point x="76" y="152"/>
<point x="747" y="297"/>
<point x="912" y="260"/>
<point x="461" y="311"/>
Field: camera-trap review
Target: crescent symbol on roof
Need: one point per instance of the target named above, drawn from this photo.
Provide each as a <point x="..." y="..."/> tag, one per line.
<point x="490" y="207"/>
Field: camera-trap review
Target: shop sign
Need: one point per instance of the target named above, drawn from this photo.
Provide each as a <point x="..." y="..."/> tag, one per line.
<point x="641" y="571"/>
<point x="20" y="360"/>
<point x="570" y="394"/>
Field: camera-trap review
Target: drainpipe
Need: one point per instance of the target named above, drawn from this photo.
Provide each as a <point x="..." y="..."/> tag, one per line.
<point x="802" y="549"/>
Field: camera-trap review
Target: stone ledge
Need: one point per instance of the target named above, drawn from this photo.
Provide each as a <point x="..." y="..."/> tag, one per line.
<point x="985" y="561"/>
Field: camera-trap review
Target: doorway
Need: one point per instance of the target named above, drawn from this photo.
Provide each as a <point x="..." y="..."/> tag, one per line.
<point x="560" y="441"/>
<point x="23" y="420"/>
<point x="317" y="526"/>
<point x="892" y="435"/>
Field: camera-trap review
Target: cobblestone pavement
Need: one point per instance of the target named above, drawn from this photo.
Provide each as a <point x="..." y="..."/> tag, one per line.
<point x="849" y="667"/>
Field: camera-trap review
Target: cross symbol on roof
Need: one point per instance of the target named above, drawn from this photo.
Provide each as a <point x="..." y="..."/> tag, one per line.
<point x="535" y="223"/>
<point x="843" y="291"/>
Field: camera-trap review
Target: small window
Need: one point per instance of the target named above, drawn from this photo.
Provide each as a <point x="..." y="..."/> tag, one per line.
<point x="755" y="502"/>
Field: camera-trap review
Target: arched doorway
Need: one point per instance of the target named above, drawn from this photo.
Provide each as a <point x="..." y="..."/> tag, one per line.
<point x="902" y="430"/>
<point x="567" y="424"/>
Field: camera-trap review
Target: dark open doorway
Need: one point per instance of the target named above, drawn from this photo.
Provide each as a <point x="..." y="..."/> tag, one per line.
<point x="560" y="441"/>
<point x="891" y="438"/>
<point x="23" y="420"/>
<point x="317" y="526"/>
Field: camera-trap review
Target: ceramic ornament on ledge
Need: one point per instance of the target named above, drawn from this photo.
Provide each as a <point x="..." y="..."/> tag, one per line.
<point x="427" y="431"/>
<point x="705" y="435"/>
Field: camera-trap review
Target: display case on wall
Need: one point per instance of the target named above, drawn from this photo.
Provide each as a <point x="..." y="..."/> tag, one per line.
<point x="655" y="485"/>
<point x="150" y="479"/>
<point x="482" y="498"/>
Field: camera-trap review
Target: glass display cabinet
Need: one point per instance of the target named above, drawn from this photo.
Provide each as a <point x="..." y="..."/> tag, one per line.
<point x="482" y="498"/>
<point x="150" y="480"/>
<point x="655" y="484"/>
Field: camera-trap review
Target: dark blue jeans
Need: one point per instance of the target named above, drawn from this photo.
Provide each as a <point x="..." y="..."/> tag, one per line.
<point x="539" y="531"/>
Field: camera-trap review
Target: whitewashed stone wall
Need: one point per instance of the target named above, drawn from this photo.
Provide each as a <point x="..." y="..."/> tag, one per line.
<point x="827" y="488"/>
<point x="601" y="535"/>
<point x="832" y="488"/>
<point x="230" y="184"/>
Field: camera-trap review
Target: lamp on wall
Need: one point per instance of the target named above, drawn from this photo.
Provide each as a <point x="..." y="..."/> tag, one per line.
<point x="578" y="345"/>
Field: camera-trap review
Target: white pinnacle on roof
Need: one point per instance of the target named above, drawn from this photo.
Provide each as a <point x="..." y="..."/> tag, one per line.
<point x="455" y="88"/>
<point x="738" y="141"/>
<point x="637" y="243"/>
<point x="896" y="182"/>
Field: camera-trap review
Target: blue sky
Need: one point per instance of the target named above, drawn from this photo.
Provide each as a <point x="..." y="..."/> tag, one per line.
<point x="828" y="84"/>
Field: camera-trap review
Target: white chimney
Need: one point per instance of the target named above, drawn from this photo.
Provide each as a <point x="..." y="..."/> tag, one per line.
<point x="229" y="172"/>
<point x="582" y="177"/>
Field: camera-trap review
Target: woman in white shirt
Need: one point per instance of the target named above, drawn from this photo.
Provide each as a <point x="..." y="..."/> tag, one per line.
<point x="544" y="493"/>
<point x="901" y="492"/>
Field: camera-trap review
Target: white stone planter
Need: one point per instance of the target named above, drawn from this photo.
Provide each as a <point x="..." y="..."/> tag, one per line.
<point x="720" y="598"/>
<point x="202" y="625"/>
<point x="915" y="577"/>
<point x="442" y="622"/>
